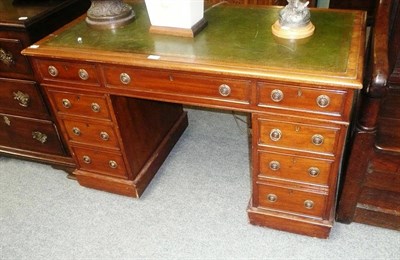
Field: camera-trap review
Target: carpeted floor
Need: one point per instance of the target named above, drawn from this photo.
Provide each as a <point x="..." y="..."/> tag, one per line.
<point x="195" y="208"/>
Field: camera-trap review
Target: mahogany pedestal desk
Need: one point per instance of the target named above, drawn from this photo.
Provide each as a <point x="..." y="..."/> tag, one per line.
<point x="118" y="95"/>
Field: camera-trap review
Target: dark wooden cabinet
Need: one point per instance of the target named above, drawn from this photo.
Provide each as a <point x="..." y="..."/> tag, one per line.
<point x="365" y="5"/>
<point x="26" y="125"/>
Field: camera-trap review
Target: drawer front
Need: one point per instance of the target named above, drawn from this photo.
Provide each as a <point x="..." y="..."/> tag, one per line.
<point x="106" y="163"/>
<point x="94" y="134"/>
<point x="79" y="104"/>
<point x="295" y="168"/>
<point x="302" y="98"/>
<point x="12" y="62"/>
<point x="298" y="136"/>
<point x="291" y="200"/>
<point x="31" y="134"/>
<point x="22" y="98"/>
<point x="179" y="84"/>
<point x="80" y="73"/>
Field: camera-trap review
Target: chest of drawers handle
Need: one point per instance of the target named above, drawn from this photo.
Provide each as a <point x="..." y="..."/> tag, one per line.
<point x="313" y="171"/>
<point x="274" y="165"/>
<point x="113" y="164"/>
<point x="276" y="95"/>
<point x="224" y="90"/>
<point x="76" y="131"/>
<point x="95" y="107"/>
<point x="317" y="139"/>
<point x="6" y="57"/>
<point x="52" y="71"/>
<point x="83" y="74"/>
<point x="66" y="103"/>
<point x="22" y="98"/>
<point x="124" y="78"/>
<point x="42" y="138"/>
<point x="275" y="134"/>
<point x="87" y="159"/>
<point x="105" y="136"/>
<point x="7" y="120"/>
<point x="323" y="101"/>
<point x="309" y="204"/>
<point x="272" y="197"/>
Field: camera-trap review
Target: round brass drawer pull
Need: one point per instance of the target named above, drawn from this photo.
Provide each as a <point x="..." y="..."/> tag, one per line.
<point x="224" y="90"/>
<point x="105" y="136"/>
<point x="272" y="197"/>
<point x="113" y="164"/>
<point x="309" y="204"/>
<point x="317" y="139"/>
<point x="66" y="103"/>
<point x="52" y="71"/>
<point x="86" y="159"/>
<point x="313" y="171"/>
<point x="275" y="134"/>
<point x="276" y="95"/>
<point x="274" y="165"/>
<point x="76" y="131"/>
<point x="83" y="74"/>
<point x="323" y="101"/>
<point x="124" y="78"/>
<point x="95" y="107"/>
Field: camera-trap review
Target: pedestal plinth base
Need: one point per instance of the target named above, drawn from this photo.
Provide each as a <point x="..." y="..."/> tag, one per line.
<point x="292" y="33"/>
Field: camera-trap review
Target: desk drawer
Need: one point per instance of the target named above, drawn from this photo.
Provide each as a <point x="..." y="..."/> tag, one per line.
<point x="79" y="73"/>
<point x="292" y="200"/>
<point x="89" y="133"/>
<point x="179" y="84"/>
<point x="84" y="105"/>
<point x="13" y="63"/>
<point x="30" y="134"/>
<point x="23" y="98"/>
<point x="103" y="162"/>
<point x="302" y="98"/>
<point x="298" y="136"/>
<point x="294" y="168"/>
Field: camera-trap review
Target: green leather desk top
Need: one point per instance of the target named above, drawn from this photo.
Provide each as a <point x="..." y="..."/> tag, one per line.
<point x="236" y="41"/>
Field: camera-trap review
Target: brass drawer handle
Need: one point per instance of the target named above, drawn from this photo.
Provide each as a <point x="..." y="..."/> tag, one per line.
<point x="323" y="101"/>
<point x="52" y="71"/>
<point x="317" y="139"/>
<point x="76" y="131"/>
<point x="274" y="165"/>
<point x="272" y="197"/>
<point x="86" y="159"/>
<point x="125" y="78"/>
<point x="6" y="120"/>
<point x="83" y="74"/>
<point x="39" y="136"/>
<point x="313" y="171"/>
<point x="22" y="98"/>
<point x="275" y="134"/>
<point x="66" y="103"/>
<point x="276" y="95"/>
<point x="95" y="107"/>
<point x="224" y="90"/>
<point x="309" y="204"/>
<point x="105" y="136"/>
<point x="113" y="164"/>
<point x="6" y="57"/>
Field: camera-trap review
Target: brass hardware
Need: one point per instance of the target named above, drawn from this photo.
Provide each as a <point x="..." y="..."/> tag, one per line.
<point x="272" y="197"/>
<point x="124" y="78"/>
<point x="309" y="204"/>
<point x="112" y="164"/>
<point x="313" y="171"/>
<point x="95" y="107"/>
<point x="39" y="136"/>
<point x="22" y="98"/>
<point x="104" y="136"/>
<point x="323" y="101"/>
<point x="76" y="131"/>
<point x="297" y="128"/>
<point x="299" y="92"/>
<point x="6" y="57"/>
<point x="276" y="95"/>
<point x="274" y="165"/>
<point x="86" y="159"/>
<point x="83" y="74"/>
<point x="52" y="71"/>
<point x="317" y="139"/>
<point x="224" y="90"/>
<point x="66" y="103"/>
<point x="7" y="120"/>
<point x="275" y="134"/>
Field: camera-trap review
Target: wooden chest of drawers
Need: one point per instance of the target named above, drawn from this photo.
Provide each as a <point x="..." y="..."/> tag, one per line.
<point x="27" y="126"/>
<point x="299" y="94"/>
